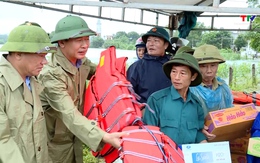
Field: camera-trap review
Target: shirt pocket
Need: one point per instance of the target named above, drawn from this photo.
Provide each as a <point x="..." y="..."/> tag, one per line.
<point x="170" y="127"/>
<point x="192" y="130"/>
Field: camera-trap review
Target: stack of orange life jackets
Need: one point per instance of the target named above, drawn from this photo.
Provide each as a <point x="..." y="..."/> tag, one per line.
<point x="246" y="98"/>
<point x="111" y="101"/>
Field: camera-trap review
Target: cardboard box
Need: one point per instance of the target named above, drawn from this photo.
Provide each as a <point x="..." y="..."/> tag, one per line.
<point x="217" y="152"/>
<point x="257" y="108"/>
<point x="238" y="158"/>
<point x="254" y="146"/>
<point x="231" y="123"/>
<point x="239" y="145"/>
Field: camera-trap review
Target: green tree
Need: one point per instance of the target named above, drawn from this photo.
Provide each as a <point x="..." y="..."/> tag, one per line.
<point x="210" y="38"/>
<point x="108" y="43"/>
<point x="220" y="39"/>
<point x="96" y="42"/>
<point x="133" y="36"/>
<point x="195" y="35"/>
<point x="255" y="36"/>
<point x="252" y="3"/>
<point x="240" y="42"/>
<point x="131" y="47"/>
<point x="226" y="39"/>
<point x="120" y="34"/>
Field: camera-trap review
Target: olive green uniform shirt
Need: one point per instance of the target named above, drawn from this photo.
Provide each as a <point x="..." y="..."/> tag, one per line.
<point x="62" y="100"/>
<point x="23" y="137"/>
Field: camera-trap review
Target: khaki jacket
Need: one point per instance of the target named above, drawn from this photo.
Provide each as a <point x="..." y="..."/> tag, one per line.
<point x="62" y="100"/>
<point x="23" y="137"/>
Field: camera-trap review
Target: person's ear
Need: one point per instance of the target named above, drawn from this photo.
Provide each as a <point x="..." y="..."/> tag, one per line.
<point x="166" y="44"/>
<point x="61" y="43"/>
<point x="194" y="76"/>
<point x="18" y="55"/>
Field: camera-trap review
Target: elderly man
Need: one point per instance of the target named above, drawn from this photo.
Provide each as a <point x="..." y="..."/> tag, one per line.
<point x="23" y="136"/>
<point x="213" y="92"/>
<point x="146" y="75"/>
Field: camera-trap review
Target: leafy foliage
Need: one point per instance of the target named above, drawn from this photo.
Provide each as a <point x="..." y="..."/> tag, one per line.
<point x="255" y="37"/>
<point x="220" y="39"/>
<point x="195" y="35"/>
<point x="88" y="157"/>
<point x="241" y="71"/>
<point x="96" y="42"/>
<point x="133" y="36"/>
<point x="228" y="54"/>
<point x="240" y="42"/>
<point x="121" y="40"/>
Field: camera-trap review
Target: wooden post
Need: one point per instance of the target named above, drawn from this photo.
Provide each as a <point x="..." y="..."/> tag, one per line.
<point x="253" y="75"/>
<point x="230" y="76"/>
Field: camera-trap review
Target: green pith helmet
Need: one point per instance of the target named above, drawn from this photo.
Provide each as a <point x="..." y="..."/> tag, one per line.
<point x="184" y="59"/>
<point x="71" y="27"/>
<point x="28" y="38"/>
<point x="208" y="54"/>
<point x="185" y="49"/>
<point x="158" y="32"/>
<point x="31" y="23"/>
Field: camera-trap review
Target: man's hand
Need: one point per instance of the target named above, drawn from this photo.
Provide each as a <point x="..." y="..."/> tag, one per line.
<point x="207" y="134"/>
<point x="114" y="138"/>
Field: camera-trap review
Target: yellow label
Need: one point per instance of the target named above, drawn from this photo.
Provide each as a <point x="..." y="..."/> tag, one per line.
<point x="102" y="60"/>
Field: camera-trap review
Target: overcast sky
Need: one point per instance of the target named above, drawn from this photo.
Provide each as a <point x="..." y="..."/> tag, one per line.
<point x="12" y="15"/>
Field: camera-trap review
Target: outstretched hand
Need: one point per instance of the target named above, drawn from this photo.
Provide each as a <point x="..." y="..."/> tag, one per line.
<point x="114" y="138"/>
<point x="207" y="134"/>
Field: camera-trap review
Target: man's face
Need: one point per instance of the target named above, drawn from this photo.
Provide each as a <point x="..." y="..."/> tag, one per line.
<point x="156" y="46"/>
<point x="208" y="71"/>
<point x="31" y="64"/>
<point x="75" y="48"/>
<point x="181" y="77"/>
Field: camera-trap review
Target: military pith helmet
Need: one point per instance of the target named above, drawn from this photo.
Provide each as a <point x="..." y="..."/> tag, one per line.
<point x="29" y="38"/>
<point x="184" y="59"/>
<point x="185" y="49"/>
<point x="208" y="54"/>
<point x="158" y="32"/>
<point x="31" y="23"/>
<point x="71" y="27"/>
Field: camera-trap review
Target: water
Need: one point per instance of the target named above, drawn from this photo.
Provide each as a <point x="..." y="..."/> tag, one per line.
<point x="94" y="54"/>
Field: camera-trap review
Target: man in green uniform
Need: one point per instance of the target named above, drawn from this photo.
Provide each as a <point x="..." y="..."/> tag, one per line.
<point x="23" y="136"/>
<point x="64" y="79"/>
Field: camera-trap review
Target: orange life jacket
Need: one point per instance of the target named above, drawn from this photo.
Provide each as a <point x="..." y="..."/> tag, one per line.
<point x="245" y="98"/>
<point x="110" y="99"/>
<point x="146" y="144"/>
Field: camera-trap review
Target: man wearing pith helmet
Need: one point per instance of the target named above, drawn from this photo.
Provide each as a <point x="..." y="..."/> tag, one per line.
<point x="23" y="136"/>
<point x="177" y="112"/>
<point x="64" y="79"/>
<point x="146" y="75"/>
<point x="213" y="92"/>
